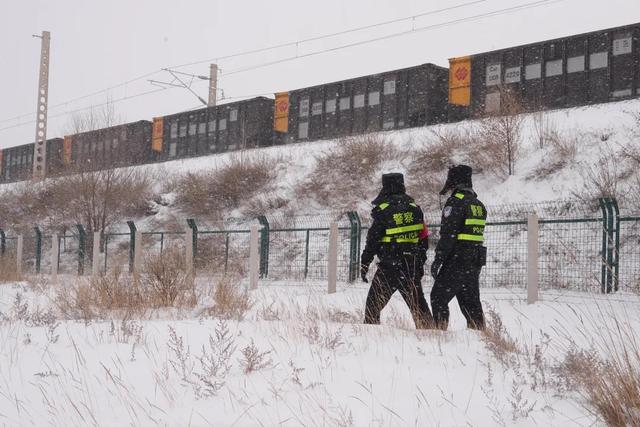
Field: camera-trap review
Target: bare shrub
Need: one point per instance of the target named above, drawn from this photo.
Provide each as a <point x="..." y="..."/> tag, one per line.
<point x="543" y="126"/>
<point x="561" y="152"/>
<point x="500" y="135"/>
<point x="497" y="338"/>
<point x="227" y="187"/>
<point x="254" y="359"/>
<point x="346" y="169"/>
<point x="215" y="361"/>
<point x="100" y="296"/>
<point x="231" y="300"/>
<point x="166" y="281"/>
<point x="611" y="386"/>
<point x="430" y="162"/>
<point x="601" y="179"/>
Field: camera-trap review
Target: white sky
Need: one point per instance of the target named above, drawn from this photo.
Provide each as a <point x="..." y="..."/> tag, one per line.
<point x="99" y="44"/>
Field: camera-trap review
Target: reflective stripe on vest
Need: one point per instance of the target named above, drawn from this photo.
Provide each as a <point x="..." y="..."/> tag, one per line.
<point x="471" y="237"/>
<point x="383" y="206"/>
<point x="472" y="221"/>
<point x="389" y="239"/>
<point x="459" y="196"/>
<point x="405" y="229"/>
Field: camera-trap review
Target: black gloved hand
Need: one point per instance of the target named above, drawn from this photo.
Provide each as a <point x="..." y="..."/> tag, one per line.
<point x="435" y="268"/>
<point x="364" y="269"/>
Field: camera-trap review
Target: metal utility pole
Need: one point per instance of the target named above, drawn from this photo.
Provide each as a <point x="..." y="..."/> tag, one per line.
<point x="213" y="84"/>
<point x="40" y="150"/>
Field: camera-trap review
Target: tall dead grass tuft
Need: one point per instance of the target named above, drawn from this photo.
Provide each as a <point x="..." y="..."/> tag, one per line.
<point x="166" y="281"/>
<point x="227" y="187"/>
<point x="8" y="269"/>
<point x="230" y="299"/>
<point x="497" y="338"/>
<point x="607" y="378"/>
<point x="428" y="168"/>
<point x="346" y="169"/>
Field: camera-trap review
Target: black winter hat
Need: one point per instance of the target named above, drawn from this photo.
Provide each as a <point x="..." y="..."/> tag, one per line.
<point x="393" y="183"/>
<point x="459" y="175"/>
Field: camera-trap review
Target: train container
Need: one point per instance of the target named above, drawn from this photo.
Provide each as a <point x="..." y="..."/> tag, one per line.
<point x="16" y="163"/>
<point x="121" y="145"/>
<point x="397" y="99"/>
<point x="584" y="69"/>
<point x="226" y="127"/>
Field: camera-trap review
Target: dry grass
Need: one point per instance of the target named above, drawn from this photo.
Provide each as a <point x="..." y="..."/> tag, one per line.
<point x="428" y="169"/>
<point x="163" y="283"/>
<point x="607" y="377"/>
<point x="8" y="269"/>
<point x="166" y="281"/>
<point x="227" y="187"/>
<point x="347" y="169"/>
<point x="562" y="151"/>
<point x="231" y="300"/>
<point x="497" y="338"/>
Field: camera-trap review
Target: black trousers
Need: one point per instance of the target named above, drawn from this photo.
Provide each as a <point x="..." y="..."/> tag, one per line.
<point x="405" y="278"/>
<point x="459" y="277"/>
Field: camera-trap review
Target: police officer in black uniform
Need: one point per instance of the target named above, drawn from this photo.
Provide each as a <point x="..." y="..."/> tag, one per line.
<point x="398" y="236"/>
<point x="460" y="254"/>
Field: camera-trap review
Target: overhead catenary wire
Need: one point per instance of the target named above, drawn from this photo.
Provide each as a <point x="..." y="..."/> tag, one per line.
<point x="497" y="12"/>
<point x="324" y="36"/>
<point x="252" y="52"/>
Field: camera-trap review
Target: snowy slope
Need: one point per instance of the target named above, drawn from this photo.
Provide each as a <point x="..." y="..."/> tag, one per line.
<point x="324" y="368"/>
<point x="594" y="132"/>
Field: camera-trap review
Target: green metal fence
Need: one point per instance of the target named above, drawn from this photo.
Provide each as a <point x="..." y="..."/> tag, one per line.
<point x="578" y="249"/>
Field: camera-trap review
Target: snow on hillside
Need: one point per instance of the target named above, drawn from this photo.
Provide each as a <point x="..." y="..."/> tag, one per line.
<point x="593" y="132"/>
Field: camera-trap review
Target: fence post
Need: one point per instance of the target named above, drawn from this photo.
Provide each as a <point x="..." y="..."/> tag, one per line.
<point x="306" y="254"/>
<point x="137" y="256"/>
<point x="189" y="251"/>
<point x="132" y="244"/>
<point x="95" y="262"/>
<point x="194" y="238"/>
<point x="254" y="258"/>
<point x="82" y="241"/>
<point x="332" y="262"/>
<point x="264" y="246"/>
<point x="226" y="252"/>
<point x="616" y="252"/>
<point x="55" y="250"/>
<point x="3" y="242"/>
<point x="38" y="248"/>
<point x="354" y="245"/>
<point x="533" y="274"/>
<point x="607" y="245"/>
<point x="19" y="248"/>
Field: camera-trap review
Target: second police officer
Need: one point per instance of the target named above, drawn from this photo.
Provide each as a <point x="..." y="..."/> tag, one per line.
<point x="460" y="254"/>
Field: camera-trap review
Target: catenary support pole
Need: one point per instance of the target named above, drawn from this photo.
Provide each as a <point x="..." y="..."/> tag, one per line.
<point x="254" y="258"/>
<point x="533" y="277"/>
<point x="332" y="262"/>
<point x="40" y="148"/>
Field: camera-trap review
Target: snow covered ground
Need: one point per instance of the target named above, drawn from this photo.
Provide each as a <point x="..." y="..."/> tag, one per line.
<point x="298" y="357"/>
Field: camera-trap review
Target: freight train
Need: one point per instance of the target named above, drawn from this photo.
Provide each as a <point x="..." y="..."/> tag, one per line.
<point x="584" y="69"/>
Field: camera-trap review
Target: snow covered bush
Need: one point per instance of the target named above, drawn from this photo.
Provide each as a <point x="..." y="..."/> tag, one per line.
<point x="227" y="187"/>
<point x="347" y="170"/>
